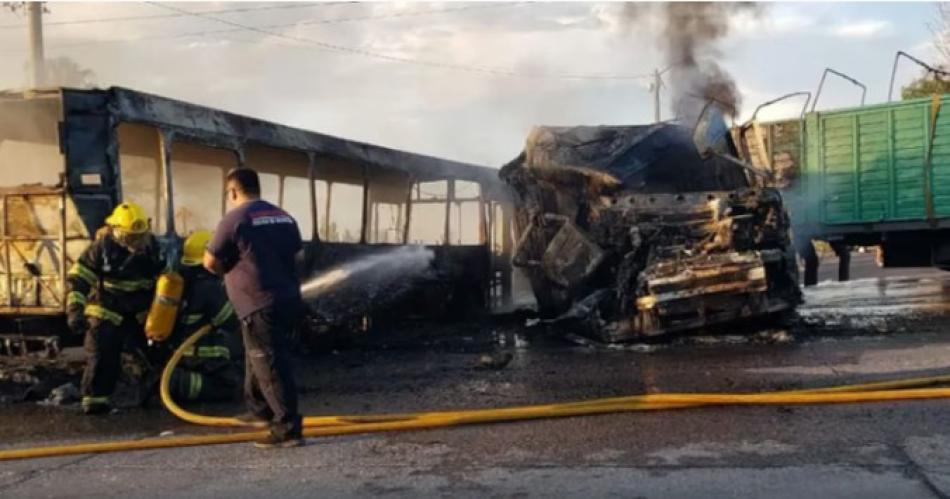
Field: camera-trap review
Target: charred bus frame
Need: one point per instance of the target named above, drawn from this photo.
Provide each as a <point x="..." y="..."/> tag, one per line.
<point x="114" y="141"/>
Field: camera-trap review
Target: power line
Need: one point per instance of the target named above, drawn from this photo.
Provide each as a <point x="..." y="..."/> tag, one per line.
<point x="274" y="26"/>
<point x="300" y="5"/>
<point x="399" y="14"/>
<point x="421" y="62"/>
<point x="237" y="27"/>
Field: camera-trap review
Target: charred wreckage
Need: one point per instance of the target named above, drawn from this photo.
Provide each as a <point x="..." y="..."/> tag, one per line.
<point x="629" y="232"/>
<point x="69" y="156"/>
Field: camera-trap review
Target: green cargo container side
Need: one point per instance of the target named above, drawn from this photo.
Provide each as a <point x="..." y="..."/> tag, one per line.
<point x="810" y="197"/>
<point x="868" y="164"/>
<point x="873" y="172"/>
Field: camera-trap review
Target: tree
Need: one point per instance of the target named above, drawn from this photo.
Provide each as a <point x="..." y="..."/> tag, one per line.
<point x="925" y="86"/>
<point x="941" y="32"/>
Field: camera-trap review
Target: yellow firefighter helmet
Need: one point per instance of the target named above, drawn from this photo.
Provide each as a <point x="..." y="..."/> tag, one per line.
<point x="129" y="217"/>
<point x="194" y="248"/>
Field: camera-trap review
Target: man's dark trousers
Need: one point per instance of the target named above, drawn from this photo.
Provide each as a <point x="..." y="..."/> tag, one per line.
<point x="269" y="388"/>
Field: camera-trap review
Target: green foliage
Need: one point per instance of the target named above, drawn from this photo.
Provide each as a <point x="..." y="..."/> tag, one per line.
<point x="925" y="87"/>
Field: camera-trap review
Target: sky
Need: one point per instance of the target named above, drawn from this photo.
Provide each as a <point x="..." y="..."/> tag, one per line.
<point x="464" y="81"/>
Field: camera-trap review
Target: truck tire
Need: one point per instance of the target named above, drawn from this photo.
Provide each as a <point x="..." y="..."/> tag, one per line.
<point x="843" y="252"/>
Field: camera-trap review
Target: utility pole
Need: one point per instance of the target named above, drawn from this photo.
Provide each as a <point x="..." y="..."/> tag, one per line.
<point x="37" y="58"/>
<point x="656" y="86"/>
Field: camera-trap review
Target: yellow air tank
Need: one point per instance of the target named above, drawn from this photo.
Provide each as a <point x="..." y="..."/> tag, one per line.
<point x="161" y="316"/>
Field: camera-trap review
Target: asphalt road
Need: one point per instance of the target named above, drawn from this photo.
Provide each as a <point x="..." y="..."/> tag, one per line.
<point x="867" y="329"/>
<point x="863" y="267"/>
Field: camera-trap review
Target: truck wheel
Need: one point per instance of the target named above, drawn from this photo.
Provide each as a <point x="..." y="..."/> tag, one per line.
<point x="806" y="250"/>
<point x="844" y="265"/>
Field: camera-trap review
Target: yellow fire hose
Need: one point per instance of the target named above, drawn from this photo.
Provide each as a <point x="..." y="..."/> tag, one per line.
<point x="322" y="426"/>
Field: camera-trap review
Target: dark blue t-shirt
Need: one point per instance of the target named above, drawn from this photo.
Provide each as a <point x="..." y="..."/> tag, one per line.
<point x="256" y="243"/>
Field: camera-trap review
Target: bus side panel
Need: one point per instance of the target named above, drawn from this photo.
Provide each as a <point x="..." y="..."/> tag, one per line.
<point x="88" y="143"/>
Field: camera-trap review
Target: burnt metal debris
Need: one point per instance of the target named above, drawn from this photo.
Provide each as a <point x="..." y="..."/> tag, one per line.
<point x="23" y="345"/>
<point x="629" y="232"/>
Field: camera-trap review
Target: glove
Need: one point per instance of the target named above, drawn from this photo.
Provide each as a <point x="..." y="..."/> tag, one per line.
<point x="76" y="321"/>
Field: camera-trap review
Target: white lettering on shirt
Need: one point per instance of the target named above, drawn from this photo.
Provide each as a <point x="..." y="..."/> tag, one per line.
<point x="281" y="219"/>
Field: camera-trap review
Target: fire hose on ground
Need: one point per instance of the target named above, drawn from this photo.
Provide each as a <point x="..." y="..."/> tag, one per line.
<point x="326" y="426"/>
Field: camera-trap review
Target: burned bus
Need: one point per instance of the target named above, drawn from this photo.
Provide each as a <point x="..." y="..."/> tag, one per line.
<point x="68" y="156"/>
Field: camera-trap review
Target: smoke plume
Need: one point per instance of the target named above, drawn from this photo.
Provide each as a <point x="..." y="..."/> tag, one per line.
<point x="64" y="72"/>
<point x="690" y="33"/>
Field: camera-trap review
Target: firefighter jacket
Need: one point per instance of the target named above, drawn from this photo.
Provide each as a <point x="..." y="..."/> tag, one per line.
<point x="205" y="302"/>
<point x="109" y="282"/>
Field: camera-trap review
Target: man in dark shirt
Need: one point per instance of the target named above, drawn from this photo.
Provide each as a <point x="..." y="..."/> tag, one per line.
<point x="254" y="248"/>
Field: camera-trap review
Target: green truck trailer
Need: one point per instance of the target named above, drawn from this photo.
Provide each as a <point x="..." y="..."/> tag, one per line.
<point x="869" y="175"/>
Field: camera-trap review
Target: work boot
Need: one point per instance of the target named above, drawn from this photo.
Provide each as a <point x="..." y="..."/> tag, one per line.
<point x="146" y="390"/>
<point x="91" y="408"/>
<point x="274" y="441"/>
<point x="251" y="419"/>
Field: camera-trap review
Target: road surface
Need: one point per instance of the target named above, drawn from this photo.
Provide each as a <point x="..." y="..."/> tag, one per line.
<point x="867" y="329"/>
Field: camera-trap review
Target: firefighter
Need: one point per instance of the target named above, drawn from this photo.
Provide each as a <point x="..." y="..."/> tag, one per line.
<point x="209" y="371"/>
<point x="111" y="287"/>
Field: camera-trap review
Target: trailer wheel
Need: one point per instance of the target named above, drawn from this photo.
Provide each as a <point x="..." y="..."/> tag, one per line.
<point x="806" y="251"/>
<point x="811" y="269"/>
<point x="784" y="319"/>
<point x="843" y="252"/>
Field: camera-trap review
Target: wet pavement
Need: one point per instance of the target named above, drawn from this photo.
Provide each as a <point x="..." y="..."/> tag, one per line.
<point x="868" y="329"/>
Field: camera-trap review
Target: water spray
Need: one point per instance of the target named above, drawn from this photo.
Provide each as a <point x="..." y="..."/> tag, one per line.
<point x="399" y="262"/>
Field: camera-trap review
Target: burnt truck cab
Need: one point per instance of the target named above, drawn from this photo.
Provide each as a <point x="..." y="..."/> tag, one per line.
<point x="629" y="232"/>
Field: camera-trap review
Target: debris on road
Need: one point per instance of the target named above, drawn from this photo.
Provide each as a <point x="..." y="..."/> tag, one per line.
<point x="498" y="360"/>
<point x="25" y="378"/>
<point x="777" y="336"/>
<point x="64" y="394"/>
